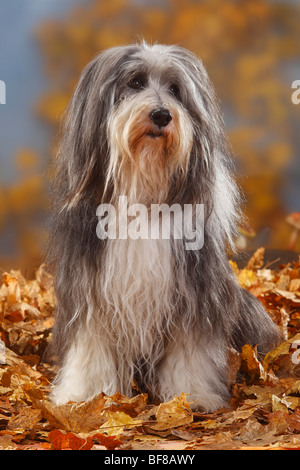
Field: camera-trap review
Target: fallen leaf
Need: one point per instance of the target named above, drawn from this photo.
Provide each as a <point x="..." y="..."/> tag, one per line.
<point x="294" y="421"/>
<point x="117" y="421"/>
<point x="74" y="417"/>
<point x="280" y="360"/>
<point x="110" y="442"/>
<point x="247" y="278"/>
<point x="295" y="285"/>
<point x="172" y="414"/>
<point x="26" y="419"/>
<point x="257" y="259"/>
<point x="6" y="443"/>
<point x="253" y="368"/>
<point x="130" y="406"/>
<point x="66" y="440"/>
<point x="264" y="411"/>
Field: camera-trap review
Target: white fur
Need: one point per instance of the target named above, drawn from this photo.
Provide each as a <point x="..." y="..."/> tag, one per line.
<point x="192" y="367"/>
<point x="141" y="305"/>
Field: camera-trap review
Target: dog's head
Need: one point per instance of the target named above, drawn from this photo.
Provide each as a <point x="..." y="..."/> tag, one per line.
<point x="144" y="122"/>
<point x="150" y="126"/>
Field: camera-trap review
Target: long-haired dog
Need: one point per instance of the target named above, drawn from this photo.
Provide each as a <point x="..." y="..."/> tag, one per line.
<point x="144" y="123"/>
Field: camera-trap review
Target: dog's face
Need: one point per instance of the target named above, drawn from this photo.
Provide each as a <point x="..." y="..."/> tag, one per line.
<point x="150" y="130"/>
<point x="144" y="121"/>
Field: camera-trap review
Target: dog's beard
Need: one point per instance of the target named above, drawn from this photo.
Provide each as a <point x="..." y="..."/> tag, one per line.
<point x="144" y="158"/>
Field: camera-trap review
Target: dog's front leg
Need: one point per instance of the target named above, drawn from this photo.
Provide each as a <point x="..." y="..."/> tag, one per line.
<point x="89" y="368"/>
<point x="196" y="368"/>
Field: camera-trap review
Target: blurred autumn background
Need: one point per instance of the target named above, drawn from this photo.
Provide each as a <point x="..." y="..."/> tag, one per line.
<point x="251" y="49"/>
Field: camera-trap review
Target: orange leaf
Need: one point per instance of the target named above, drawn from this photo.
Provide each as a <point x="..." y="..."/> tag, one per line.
<point x="110" y="442"/>
<point x="67" y="440"/>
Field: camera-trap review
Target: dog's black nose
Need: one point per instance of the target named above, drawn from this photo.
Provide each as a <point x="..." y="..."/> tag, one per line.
<point x="161" y="117"/>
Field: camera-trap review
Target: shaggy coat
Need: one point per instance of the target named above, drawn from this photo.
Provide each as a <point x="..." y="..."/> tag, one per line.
<point x="147" y="310"/>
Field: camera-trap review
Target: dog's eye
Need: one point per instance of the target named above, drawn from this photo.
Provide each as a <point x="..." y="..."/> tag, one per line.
<point x="136" y="84"/>
<point x="175" y="91"/>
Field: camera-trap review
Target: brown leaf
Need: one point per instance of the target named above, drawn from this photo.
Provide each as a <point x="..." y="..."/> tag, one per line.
<point x="75" y="417"/>
<point x="44" y="279"/>
<point x="257" y="260"/>
<point x="26" y="419"/>
<point x="6" y="443"/>
<point x="282" y="360"/>
<point x="116" y="422"/>
<point x="253" y="368"/>
<point x="110" y="442"/>
<point x="172" y="414"/>
<point x="294" y="421"/>
<point x="295" y="285"/>
<point x="264" y="413"/>
<point x="130" y="406"/>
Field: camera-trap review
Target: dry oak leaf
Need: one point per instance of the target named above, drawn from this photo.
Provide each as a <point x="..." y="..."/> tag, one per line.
<point x="26" y="419"/>
<point x="251" y="365"/>
<point x="116" y="422"/>
<point x="120" y="413"/>
<point x="293" y="390"/>
<point x="6" y="442"/>
<point x="254" y="433"/>
<point x="172" y="414"/>
<point x="294" y="421"/>
<point x="218" y="441"/>
<point x="257" y="259"/>
<point x="284" y="359"/>
<point x="284" y="404"/>
<point x="295" y="285"/>
<point x="44" y="279"/>
<point x="17" y="297"/>
<point x="74" y="417"/>
<point x="19" y="311"/>
<point x="131" y="406"/>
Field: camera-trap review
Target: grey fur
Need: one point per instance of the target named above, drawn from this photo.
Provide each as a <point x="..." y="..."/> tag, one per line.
<point x="210" y="312"/>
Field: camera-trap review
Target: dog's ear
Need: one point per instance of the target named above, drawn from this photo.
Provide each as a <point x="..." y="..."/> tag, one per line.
<point x="83" y="141"/>
<point x="82" y="154"/>
<point x="211" y="163"/>
<point x="83" y="150"/>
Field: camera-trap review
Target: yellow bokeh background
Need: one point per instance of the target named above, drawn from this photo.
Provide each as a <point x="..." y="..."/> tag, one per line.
<point x="245" y="46"/>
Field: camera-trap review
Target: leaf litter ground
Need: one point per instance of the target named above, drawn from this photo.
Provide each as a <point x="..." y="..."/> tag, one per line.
<point x="264" y="412"/>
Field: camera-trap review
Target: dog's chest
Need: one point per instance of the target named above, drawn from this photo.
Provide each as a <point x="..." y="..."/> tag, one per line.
<point x="137" y="286"/>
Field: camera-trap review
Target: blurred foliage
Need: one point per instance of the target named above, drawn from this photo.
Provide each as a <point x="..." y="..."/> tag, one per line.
<point x="243" y="44"/>
<point x="23" y="206"/>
